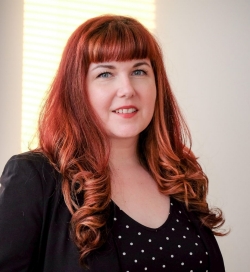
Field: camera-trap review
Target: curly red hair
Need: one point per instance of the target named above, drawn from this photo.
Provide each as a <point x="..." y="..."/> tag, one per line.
<point x="72" y="137"/>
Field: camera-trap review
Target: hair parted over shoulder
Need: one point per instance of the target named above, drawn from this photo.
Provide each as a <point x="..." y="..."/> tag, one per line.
<point x="73" y="139"/>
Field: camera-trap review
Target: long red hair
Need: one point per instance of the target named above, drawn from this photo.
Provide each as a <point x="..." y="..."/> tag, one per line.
<point x="72" y="137"/>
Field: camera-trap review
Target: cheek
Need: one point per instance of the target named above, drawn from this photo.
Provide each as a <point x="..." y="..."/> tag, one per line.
<point x="152" y="105"/>
<point x="152" y="98"/>
<point x="100" y="104"/>
<point x="94" y="102"/>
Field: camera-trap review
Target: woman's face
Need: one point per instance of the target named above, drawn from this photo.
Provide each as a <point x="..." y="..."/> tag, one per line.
<point x="122" y="95"/>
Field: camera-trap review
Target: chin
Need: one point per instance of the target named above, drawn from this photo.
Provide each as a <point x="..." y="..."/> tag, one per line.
<point x="128" y="133"/>
<point x="124" y="135"/>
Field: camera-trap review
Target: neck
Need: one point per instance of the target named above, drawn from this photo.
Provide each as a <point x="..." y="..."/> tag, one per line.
<point x="123" y="153"/>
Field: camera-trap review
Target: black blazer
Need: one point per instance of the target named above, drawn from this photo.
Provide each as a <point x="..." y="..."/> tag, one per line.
<point x="34" y="224"/>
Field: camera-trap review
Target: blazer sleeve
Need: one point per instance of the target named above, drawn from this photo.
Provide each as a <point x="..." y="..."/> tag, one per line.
<point x="21" y="213"/>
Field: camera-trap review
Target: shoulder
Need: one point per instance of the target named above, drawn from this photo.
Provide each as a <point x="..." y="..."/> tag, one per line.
<point x="28" y="172"/>
<point x="28" y="160"/>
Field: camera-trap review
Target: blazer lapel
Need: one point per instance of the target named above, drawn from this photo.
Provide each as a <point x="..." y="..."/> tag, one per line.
<point x="214" y="253"/>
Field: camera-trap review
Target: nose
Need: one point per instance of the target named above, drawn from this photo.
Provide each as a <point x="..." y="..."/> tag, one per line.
<point x="125" y="87"/>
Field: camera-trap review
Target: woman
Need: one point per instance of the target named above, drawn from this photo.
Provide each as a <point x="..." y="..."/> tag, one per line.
<point x="112" y="185"/>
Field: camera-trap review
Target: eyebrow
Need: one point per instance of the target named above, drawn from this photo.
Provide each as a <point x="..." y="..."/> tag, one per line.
<point x="141" y="63"/>
<point x="108" y="66"/>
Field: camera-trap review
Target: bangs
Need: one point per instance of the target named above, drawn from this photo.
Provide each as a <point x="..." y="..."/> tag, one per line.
<point x="121" y="41"/>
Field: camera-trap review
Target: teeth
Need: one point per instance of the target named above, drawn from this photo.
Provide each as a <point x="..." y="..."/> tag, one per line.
<point x="125" y="110"/>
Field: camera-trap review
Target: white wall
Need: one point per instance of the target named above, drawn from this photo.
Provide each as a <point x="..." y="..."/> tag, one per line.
<point x="206" y="45"/>
<point x="207" y="52"/>
<point x="11" y="22"/>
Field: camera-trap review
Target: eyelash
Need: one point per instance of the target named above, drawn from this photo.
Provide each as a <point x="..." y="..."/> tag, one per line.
<point x="104" y="73"/>
<point x="135" y="71"/>
<point x="140" y="70"/>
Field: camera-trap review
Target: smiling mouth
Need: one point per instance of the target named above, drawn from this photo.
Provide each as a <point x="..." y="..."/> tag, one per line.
<point x="130" y="110"/>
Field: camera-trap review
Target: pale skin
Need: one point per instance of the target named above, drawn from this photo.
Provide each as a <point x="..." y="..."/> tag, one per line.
<point x="134" y="190"/>
<point x="123" y="96"/>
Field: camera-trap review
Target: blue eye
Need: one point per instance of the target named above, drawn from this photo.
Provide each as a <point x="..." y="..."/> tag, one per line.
<point x="139" y="73"/>
<point x="104" y="75"/>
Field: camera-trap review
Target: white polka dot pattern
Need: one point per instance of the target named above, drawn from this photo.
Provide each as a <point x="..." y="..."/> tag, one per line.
<point x="146" y="249"/>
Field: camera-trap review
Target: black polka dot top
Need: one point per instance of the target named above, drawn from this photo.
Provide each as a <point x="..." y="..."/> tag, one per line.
<point x="175" y="246"/>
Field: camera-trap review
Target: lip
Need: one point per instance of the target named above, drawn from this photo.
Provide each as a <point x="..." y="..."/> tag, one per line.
<point x="126" y="107"/>
<point x="128" y="114"/>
